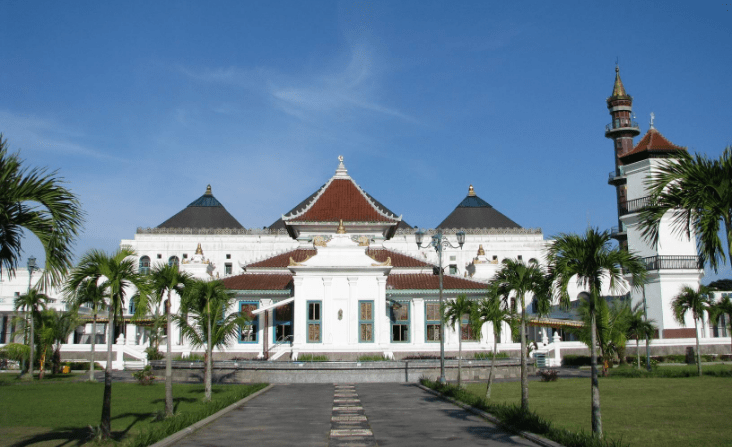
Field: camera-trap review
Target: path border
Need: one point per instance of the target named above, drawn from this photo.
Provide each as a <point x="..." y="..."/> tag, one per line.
<point x="533" y="437"/>
<point x="165" y="442"/>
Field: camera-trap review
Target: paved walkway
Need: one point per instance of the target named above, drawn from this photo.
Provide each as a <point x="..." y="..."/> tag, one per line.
<point x="382" y="414"/>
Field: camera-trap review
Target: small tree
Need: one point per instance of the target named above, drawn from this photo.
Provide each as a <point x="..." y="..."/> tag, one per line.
<point x="639" y="327"/>
<point x="31" y="303"/>
<point x="491" y="310"/>
<point x="453" y="313"/>
<point x="94" y="296"/>
<point x="696" y="302"/>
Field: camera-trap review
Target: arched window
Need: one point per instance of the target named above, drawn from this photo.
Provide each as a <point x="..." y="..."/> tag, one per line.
<point x="144" y="265"/>
<point x="173" y="260"/>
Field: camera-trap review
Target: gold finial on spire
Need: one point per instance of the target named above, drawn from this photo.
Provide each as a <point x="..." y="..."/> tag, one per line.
<point x="471" y="191"/>
<point x="199" y="250"/>
<point x="618" y="89"/>
<point x="208" y="190"/>
<point x="341" y="229"/>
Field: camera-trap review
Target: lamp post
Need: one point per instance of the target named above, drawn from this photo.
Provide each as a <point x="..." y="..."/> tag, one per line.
<point x="31" y="268"/>
<point x="440" y="242"/>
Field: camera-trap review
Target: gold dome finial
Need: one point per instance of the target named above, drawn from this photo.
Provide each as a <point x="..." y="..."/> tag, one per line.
<point x="341" y="229"/>
<point x="208" y="190"/>
<point x="471" y="191"/>
<point x="199" y="250"/>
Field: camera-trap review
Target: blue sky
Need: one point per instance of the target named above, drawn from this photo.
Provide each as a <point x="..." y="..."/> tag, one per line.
<point x="140" y="105"/>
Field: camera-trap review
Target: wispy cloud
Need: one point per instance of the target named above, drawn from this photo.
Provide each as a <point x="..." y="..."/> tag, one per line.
<point x="47" y="135"/>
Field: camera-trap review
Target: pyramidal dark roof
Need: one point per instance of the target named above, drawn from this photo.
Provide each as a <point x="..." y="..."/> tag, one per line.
<point x="474" y="212"/>
<point x="204" y="212"/>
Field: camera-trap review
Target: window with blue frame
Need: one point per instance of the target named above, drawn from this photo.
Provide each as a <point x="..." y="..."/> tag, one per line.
<point x="132" y="305"/>
<point x="466" y="329"/>
<point x="314" y="321"/>
<point x="248" y="332"/>
<point x="144" y="265"/>
<point x="366" y="321"/>
<point x="173" y="260"/>
<point x="400" y="322"/>
<point x="432" y="321"/>
<point x="283" y="323"/>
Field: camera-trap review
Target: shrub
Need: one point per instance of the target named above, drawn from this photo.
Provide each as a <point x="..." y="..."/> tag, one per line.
<point x="548" y="375"/>
<point x="576" y="360"/>
<point x="312" y="358"/>
<point x="374" y="358"/>
<point x="83" y="366"/>
<point x="190" y="358"/>
<point x="154" y="354"/>
<point x="144" y="376"/>
<point x="489" y="355"/>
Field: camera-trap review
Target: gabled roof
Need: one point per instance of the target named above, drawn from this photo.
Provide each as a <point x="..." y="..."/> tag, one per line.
<point x="397" y="259"/>
<point x="652" y="144"/>
<point x="474" y="212"/>
<point x="254" y="281"/>
<point x="282" y="260"/>
<point x="340" y="198"/>
<point x="423" y="281"/>
<point x="204" y="212"/>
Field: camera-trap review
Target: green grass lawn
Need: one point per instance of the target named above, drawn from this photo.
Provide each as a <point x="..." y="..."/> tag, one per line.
<point x="642" y="412"/>
<point x="60" y="413"/>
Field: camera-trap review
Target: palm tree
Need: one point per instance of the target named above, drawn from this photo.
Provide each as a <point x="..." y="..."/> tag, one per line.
<point x="697" y="192"/>
<point x="116" y="274"/>
<point x="492" y="310"/>
<point x="611" y="328"/>
<point x="696" y="302"/>
<point x="639" y="327"/>
<point x="34" y="200"/>
<point x="521" y="279"/>
<point x="723" y="306"/>
<point x="46" y="321"/>
<point x="31" y="303"/>
<point x="94" y="296"/>
<point x="204" y="305"/>
<point x="453" y="313"/>
<point x="165" y="279"/>
<point x="589" y="260"/>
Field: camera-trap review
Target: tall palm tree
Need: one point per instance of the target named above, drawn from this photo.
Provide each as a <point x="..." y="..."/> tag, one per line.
<point x="491" y="309"/>
<point x="521" y="279"/>
<point x="46" y="322"/>
<point x="590" y="261"/>
<point x="166" y="279"/>
<point x="116" y="274"/>
<point x="697" y="192"/>
<point x="31" y="303"/>
<point x="723" y="306"/>
<point x="35" y="200"/>
<point x="453" y="314"/>
<point x="205" y="323"/>
<point x="696" y="302"/>
<point x="639" y="327"/>
<point x="65" y="323"/>
<point x="94" y="296"/>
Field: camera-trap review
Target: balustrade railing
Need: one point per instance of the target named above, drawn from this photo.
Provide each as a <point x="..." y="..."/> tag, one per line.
<point x="633" y="206"/>
<point x="664" y="262"/>
<point x="621" y="124"/>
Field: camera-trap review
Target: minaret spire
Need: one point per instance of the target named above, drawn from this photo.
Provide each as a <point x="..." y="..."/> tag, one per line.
<point x="618" y="88"/>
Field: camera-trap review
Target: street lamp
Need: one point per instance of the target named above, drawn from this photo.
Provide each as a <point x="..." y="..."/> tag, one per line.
<point x="31" y="268"/>
<point x="440" y="242"/>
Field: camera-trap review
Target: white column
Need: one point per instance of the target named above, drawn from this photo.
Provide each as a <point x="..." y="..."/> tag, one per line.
<point x="299" y="314"/>
<point x="131" y="336"/>
<point x="329" y="313"/>
<point x="380" y="327"/>
<point x="351" y="310"/>
<point x="557" y="350"/>
<point x="418" y="316"/>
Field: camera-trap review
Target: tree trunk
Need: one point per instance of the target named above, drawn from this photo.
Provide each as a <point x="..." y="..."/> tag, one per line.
<point x="41" y="363"/>
<point x="460" y="354"/>
<point x="32" y="347"/>
<point x="493" y="365"/>
<point x="596" y="417"/>
<point x="106" y="424"/>
<point x="168" y="362"/>
<point x="698" y="354"/>
<point x="93" y="340"/>
<point x="524" y="372"/>
<point x="637" y="350"/>
<point x="209" y="362"/>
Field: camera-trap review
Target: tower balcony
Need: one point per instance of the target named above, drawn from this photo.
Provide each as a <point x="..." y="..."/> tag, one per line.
<point x="622" y="126"/>
<point x="619" y="233"/>
<point x="633" y="206"/>
<point x="671" y="262"/>
<point x="616" y="177"/>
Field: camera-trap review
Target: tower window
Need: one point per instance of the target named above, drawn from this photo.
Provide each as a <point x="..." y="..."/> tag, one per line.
<point x="144" y="265"/>
<point x="227" y="268"/>
<point x="228" y="256"/>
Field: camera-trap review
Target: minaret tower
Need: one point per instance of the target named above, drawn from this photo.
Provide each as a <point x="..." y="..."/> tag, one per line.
<point x="622" y="129"/>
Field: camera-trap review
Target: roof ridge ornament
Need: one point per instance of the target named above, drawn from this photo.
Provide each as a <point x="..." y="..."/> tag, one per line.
<point x="653" y="116"/>
<point x="341" y="171"/>
<point x="471" y="191"/>
<point x="208" y="190"/>
<point x="341" y="229"/>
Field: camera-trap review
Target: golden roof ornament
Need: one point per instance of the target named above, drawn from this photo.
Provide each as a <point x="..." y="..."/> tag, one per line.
<point x="199" y="250"/>
<point x="341" y="229"/>
<point x="471" y="191"/>
<point x="208" y="190"/>
<point x="481" y="252"/>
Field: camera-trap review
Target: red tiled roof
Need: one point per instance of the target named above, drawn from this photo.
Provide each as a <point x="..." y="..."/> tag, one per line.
<point x="653" y="141"/>
<point x="283" y="260"/>
<point x="342" y="199"/>
<point x="253" y="281"/>
<point x="397" y="259"/>
<point x="431" y="282"/>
